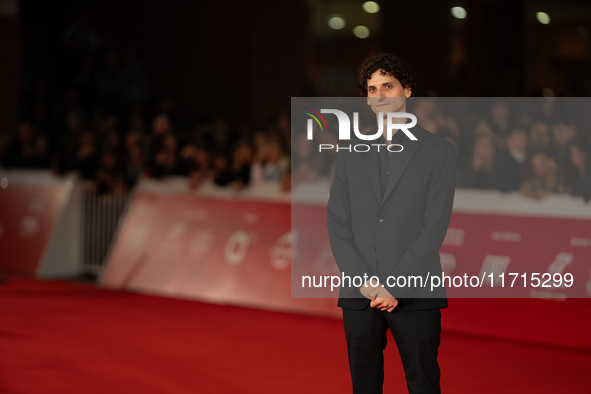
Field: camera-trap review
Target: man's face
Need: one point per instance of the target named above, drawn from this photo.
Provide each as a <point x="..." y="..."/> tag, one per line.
<point x="386" y="94"/>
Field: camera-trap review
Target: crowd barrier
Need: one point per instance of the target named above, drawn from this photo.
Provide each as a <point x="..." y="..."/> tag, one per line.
<point x="100" y="217"/>
<point x="55" y="226"/>
<point x="228" y="247"/>
<point x="39" y="223"/>
<point x="215" y="245"/>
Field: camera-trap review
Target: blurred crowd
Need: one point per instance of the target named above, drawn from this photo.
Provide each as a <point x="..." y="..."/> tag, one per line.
<point x="534" y="146"/>
<point x="507" y="150"/>
<point x="96" y="114"/>
<point x="115" y="159"/>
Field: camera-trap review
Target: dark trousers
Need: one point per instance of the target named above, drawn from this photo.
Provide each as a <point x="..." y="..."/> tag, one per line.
<point x="417" y="336"/>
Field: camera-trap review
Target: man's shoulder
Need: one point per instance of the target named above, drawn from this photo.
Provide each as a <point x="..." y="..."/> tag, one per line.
<point x="432" y="143"/>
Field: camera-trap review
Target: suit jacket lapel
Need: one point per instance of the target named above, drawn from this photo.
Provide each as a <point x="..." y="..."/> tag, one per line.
<point x="373" y="172"/>
<point x="410" y="147"/>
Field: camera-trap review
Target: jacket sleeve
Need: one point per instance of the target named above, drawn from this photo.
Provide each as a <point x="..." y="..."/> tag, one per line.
<point x="421" y="252"/>
<point x="340" y="234"/>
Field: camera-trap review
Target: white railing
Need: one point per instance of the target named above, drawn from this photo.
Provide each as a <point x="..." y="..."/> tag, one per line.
<point x="101" y="213"/>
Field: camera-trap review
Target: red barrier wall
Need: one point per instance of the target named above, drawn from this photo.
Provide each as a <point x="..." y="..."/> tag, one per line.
<point x="237" y="251"/>
<point x="30" y="206"/>
<point x="212" y="249"/>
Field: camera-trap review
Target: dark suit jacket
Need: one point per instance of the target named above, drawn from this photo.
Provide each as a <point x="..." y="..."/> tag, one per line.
<point x="401" y="233"/>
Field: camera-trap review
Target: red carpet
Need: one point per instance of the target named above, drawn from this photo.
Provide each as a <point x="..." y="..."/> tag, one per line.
<point x="59" y="337"/>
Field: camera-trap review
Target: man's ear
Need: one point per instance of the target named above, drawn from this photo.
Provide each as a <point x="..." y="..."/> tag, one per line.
<point x="407" y="91"/>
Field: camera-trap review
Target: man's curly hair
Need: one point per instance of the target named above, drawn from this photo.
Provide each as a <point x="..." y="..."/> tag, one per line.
<point x="389" y="64"/>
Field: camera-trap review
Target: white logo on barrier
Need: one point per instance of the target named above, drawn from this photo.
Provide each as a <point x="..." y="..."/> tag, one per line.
<point x="178" y="228"/>
<point x="250" y="218"/>
<point x="325" y="261"/>
<point x="236" y="247"/>
<point x="505" y="236"/>
<point x="560" y="262"/>
<point x="138" y="237"/>
<point x="200" y="244"/>
<point x="280" y="253"/>
<point x="448" y="262"/>
<point x="195" y="214"/>
<point x="580" y="242"/>
<point x="494" y="265"/>
<point x="28" y="226"/>
<point x="454" y="237"/>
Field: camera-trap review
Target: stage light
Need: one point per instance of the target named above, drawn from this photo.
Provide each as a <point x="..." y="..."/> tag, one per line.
<point x="336" y="23"/>
<point x="459" y="12"/>
<point x="361" y="31"/>
<point x="4" y="183"/>
<point x="371" y="7"/>
<point x="543" y="18"/>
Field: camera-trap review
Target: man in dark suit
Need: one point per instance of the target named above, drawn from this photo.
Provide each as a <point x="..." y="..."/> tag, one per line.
<point x="508" y="167"/>
<point x="388" y="214"/>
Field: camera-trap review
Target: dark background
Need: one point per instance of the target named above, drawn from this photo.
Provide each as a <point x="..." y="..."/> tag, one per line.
<point x="242" y="61"/>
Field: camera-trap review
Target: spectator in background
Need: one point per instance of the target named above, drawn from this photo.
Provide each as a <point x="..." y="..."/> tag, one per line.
<point x="109" y="174"/>
<point x="539" y="137"/>
<point x="133" y="157"/>
<point x="269" y="164"/>
<point x="259" y="138"/>
<point x="541" y="177"/>
<point x="164" y="162"/>
<point x="27" y="149"/>
<point x="201" y="169"/>
<point x="87" y="155"/>
<point x="562" y="135"/>
<point x="136" y="122"/>
<point x="500" y="114"/>
<point x="578" y="174"/>
<point x="303" y="168"/>
<point x="67" y="140"/>
<point x="237" y="174"/>
<point x="479" y="173"/>
<point x="162" y="157"/>
<point x="186" y="160"/>
<point x="161" y="125"/>
<point x="284" y="129"/>
<point x="508" y="167"/>
<point x="219" y="137"/>
<point x="483" y="129"/>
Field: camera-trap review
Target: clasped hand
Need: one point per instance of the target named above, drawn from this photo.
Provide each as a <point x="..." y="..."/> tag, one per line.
<point x="379" y="296"/>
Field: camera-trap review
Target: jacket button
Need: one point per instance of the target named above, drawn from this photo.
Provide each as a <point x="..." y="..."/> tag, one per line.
<point x="374" y="249"/>
<point x="380" y="220"/>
